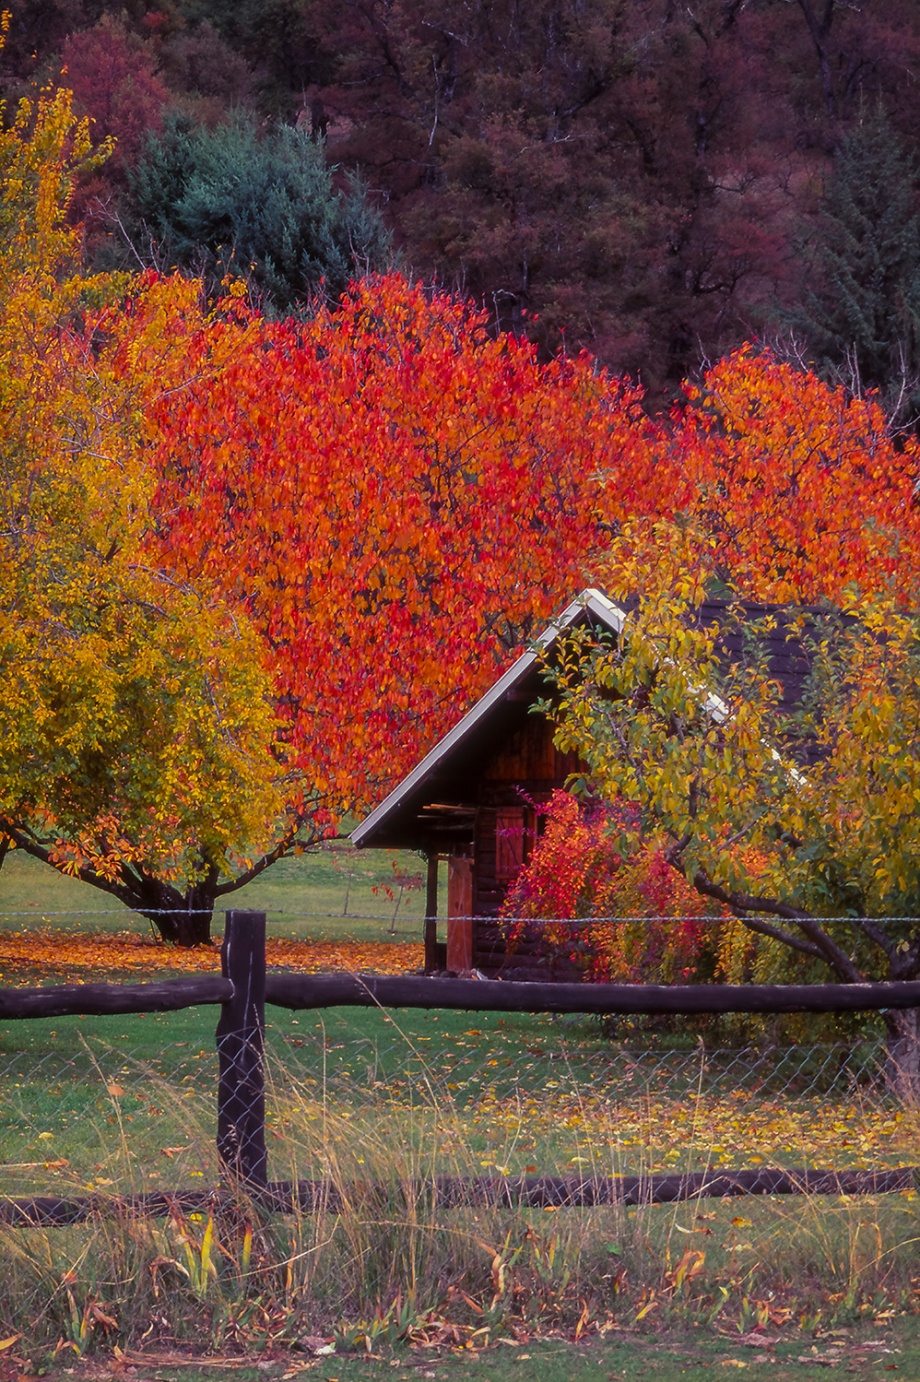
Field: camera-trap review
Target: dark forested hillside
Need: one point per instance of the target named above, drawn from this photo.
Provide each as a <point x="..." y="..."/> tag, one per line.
<point x="654" y="181"/>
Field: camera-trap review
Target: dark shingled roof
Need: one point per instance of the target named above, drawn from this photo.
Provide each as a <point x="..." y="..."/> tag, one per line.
<point x="449" y="772"/>
<point x="784" y="646"/>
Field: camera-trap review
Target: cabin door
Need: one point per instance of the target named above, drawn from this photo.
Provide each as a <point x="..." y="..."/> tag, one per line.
<point x="459" y="909"/>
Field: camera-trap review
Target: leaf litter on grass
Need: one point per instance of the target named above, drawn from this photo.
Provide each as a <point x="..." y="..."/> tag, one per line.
<point x="519" y="1095"/>
<point x="47" y="955"/>
<point x="657" y="1358"/>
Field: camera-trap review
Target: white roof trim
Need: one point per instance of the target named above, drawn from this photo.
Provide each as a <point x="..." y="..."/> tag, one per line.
<point x="590" y="601"/>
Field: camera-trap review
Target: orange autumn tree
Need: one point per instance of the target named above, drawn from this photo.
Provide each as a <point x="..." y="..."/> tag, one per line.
<point x="345" y="525"/>
<point x="803" y="489"/>
<point x="802" y="820"/>
<point x="786" y="490"/>
<point x="136" y="717"/>
<point x="393" y="499"/>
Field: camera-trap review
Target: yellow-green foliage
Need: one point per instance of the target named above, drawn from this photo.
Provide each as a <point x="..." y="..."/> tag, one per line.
<point x="135" y="716"/>
<point x="701" y="757"/>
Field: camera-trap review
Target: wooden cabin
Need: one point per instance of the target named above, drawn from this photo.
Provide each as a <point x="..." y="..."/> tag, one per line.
<point x="471" y="804"/>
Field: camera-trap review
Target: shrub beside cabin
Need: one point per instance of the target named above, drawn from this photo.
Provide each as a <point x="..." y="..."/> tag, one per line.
<point x="474" y="800"/>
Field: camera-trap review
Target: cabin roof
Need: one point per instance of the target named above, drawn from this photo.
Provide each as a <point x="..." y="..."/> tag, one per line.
<point x="434" y="803"/>
<point x="440" y="776"/>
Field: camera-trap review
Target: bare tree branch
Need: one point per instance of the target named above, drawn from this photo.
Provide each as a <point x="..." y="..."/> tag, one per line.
<point x="818" y="943"/>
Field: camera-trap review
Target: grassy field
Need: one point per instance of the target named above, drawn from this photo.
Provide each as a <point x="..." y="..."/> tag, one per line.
<point x="328" y="894"/>
<point x="862" y="1354"/>
<point x="376" y="1103"/>
<point x="509" y="1094"/>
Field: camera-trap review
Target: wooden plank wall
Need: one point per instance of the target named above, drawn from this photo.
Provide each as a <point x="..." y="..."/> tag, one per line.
<point x="527" y="770"/>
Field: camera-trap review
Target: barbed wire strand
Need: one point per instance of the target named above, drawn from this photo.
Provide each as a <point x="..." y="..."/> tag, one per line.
<point x="618" y="919"/>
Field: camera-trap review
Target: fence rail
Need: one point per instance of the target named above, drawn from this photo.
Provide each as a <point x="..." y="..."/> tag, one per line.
<point x="298" y="991"/>
<point x="245" y="987"/>
<point x="102" y="1000"/>
<point x="466" y="1192"/>
<point x="303" y="991"/>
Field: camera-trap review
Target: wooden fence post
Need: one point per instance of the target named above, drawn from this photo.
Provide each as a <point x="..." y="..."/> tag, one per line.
<point x="240" y="1051"/>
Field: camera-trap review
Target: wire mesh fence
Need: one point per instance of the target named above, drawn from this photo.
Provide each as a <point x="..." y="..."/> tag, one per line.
<point x="538" y="1094"/>
<point x="129" y="1103"/>
<point x="85" y="1104"/>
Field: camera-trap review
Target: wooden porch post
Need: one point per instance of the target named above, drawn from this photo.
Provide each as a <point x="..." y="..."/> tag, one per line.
<point x="431" y="914"/>
<point x="459" y="910"/>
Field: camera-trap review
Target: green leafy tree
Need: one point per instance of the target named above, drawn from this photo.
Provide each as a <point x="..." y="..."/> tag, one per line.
<point x="230" y="201"/>
<point x="863" y="320"/>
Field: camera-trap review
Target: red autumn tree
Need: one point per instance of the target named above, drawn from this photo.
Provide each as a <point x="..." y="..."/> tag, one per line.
<point x="396" y="499"/>
<point x="802" y="488"/>
<point x="391" y="499"/>
<point x="112" y="75"/>
<point x="114" y="79"/>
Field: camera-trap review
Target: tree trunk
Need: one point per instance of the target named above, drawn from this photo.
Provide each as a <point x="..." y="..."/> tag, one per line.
<point x="182" y="928"/>
<point x="182" y="918"/>
<point x="902" y="1062"/>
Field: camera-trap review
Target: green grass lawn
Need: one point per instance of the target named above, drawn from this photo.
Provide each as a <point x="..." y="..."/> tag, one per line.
<point x="328" y="894"/>
<point x="477" y="1093"/>
<point x="687" y="1356"/>
<point x="369" y="1099"/>
<point x="864" y="1354"/>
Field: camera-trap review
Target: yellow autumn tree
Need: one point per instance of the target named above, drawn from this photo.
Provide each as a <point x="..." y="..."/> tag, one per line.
<point x="803" y="821"/>
<point x="135" y="722"/>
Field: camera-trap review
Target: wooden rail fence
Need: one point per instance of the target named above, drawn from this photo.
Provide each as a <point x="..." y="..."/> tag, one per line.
<point x="244" y="988"/>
